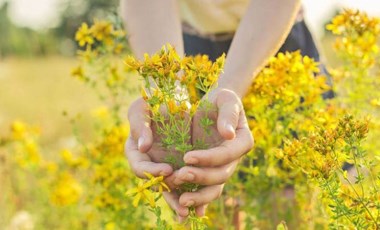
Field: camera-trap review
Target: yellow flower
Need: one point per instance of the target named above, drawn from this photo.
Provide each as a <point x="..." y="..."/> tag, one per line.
<point x="33" y="155"/>
<point x="87" y="55"/>
<point x="78" y="73"/>
<point x="144" y="94"/>
<point x="83" y="35"/>
<point x="118" y="48"/>
<point x="155" y="109"/>
<point x="194" y="108"/>
<point x="50" y="167"/>
<point x="119" y="33"/>
<point x="18" y="130"/>
<point x="66" y="190"/>
<point x="67" y="156"/>
<point x="143" y="193"/>
<point x="101" y="112"/>
<point x="157" y="181"/>
<point x="375" y="102"/>
<point x="110" y="226"/>
<point x="172" y="106"/>
<point x="132" y="63"/>
<point x="101" y="30"/>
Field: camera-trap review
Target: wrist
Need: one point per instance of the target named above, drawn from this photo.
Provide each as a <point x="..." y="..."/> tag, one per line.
<point x="228" y="82"/>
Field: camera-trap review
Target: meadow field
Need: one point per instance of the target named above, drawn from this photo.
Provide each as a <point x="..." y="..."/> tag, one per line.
<point x="315" y="163"/>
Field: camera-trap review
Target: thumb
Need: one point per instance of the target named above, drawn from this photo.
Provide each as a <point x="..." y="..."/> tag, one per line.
<point x="229" y="109"/>
<point x="139" y="122"/>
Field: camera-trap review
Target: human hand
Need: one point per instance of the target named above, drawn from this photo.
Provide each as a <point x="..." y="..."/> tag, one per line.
<point x="228" y="139"/>
<point x="144" y="151"/>
<point x="141" y="141"/>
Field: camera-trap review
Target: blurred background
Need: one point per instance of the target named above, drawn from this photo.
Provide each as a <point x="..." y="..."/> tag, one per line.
<point x="37" y="52"/>
<point x="47" y="27"/>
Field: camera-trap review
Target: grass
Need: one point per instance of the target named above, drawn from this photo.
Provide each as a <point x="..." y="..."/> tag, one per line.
<point x="38" y="91"/>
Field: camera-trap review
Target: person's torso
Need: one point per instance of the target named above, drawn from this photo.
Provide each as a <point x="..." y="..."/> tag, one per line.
<point x="213" y="16"/>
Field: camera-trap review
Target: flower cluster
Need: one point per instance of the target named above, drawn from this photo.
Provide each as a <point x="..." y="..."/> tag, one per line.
<point x="175" y="85"/>
<point x="25" y="143"/>
<point x="66" y="190"/>
<point x="100" y="38"/>
<point x="285" y="101"/>
<point x="101" y="64"/>
<point x="357" y="43"/>
<point x="173" y="90"/>
<point x="354" y="203"/>
<point x="162" y="72"/>
<point x="284" y="98"/>
<point x="358" y="37"/>
<point x="143" y="192"/>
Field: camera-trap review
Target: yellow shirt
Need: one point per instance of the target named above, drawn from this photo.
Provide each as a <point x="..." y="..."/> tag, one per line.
<point x="213" y="16"/>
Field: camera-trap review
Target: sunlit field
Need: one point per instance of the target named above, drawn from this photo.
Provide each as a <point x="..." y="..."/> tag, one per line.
<point x="315" y="162"/>
<point x="38" y="91"/>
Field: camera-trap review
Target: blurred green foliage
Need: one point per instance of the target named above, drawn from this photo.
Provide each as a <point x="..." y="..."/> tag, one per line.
<point x="18" y="41"/>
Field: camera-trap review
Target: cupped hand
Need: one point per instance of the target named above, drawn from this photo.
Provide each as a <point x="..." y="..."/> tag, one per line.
<point x="227" y="141"/>
<point x="142" y="145"/>
<point x="144" y="151"/>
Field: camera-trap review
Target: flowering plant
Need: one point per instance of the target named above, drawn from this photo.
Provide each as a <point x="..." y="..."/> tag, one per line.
<point x="314" y="165"/>
<point x="172" y="90"/>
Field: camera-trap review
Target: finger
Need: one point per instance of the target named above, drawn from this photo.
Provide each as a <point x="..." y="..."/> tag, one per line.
<point x="141" y="163"/>
<point x="173" y="201"/>
<point x="201" y="197"/>
<point x="228" y="151"/>
<point x="169" y="180"/>
<point x="229" y="109"/>
<point x="204" y="176"/>
<point x="138" y="116"/>
<point x="201" y="210"/>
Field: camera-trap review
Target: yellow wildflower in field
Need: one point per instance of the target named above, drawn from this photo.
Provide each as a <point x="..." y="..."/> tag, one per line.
<point x="50" y="167"/>
<point x="18" y="129"/>
<point x="83" y="35"/>
<point x="32" y="152"/>
<point x="354" y="20"/>
<point x="358" y="37"/>
<point x="142" y="192"/>
<point x="157" y="181"/>
<point x="66" y="190"/>
<point x="110" y="226"/>
<point x="73" y="161"/>
<point x="77" y="72"/>
<point x="28" y="154"/>
<point x="101" y="112"/>
<point x="375" y="102"/>
<point x="101" y="30"/>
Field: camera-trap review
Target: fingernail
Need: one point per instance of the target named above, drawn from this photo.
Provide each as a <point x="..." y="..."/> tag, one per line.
<point x="230" y="128"/>
<point x="190" y="177"/>
<point x="189" y="203"/>
<point x="191" y="161"/>
<point x="140" y="142"/>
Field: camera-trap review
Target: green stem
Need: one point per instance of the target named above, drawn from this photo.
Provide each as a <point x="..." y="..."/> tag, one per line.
<point x="336" y="201"/>
<point x="361" y="201"/>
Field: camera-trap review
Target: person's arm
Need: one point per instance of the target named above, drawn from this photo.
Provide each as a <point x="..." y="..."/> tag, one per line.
<point x="261" y="33"/>
<point x="150" y="24"/>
